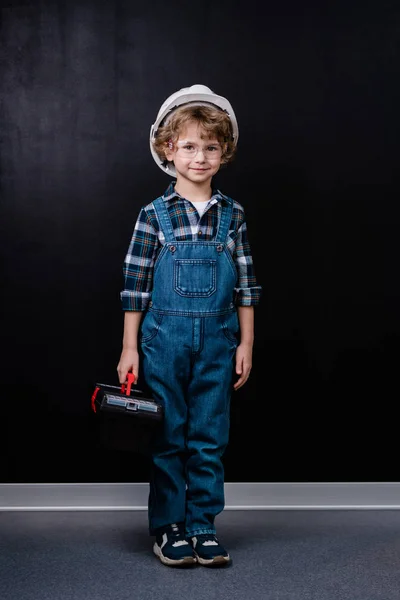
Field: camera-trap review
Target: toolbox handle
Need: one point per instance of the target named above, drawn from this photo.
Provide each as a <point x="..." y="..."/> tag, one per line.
<point x="131" y="380"/>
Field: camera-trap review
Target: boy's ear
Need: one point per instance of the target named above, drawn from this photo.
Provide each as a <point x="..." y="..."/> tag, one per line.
<point x="224" y="149"/>
<point x="169" y="154"/>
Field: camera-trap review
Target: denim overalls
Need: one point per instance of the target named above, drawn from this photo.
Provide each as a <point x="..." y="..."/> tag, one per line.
<point x="188" y="340"/>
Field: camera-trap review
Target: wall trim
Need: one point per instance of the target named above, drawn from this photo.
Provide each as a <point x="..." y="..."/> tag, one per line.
<point x="238" y="496"/>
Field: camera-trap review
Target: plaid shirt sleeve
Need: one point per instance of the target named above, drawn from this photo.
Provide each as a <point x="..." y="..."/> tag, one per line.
<point x="139" y="263"/>
<point x="248" y="293"/>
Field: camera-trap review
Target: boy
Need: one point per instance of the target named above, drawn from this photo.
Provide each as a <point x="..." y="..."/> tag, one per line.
<point x="187" y="269"/>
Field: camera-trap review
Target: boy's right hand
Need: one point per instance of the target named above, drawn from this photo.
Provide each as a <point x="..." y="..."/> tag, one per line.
<point x="129" y="361"/>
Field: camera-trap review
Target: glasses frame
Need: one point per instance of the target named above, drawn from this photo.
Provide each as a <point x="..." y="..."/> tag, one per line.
<point x="180" y="150"/>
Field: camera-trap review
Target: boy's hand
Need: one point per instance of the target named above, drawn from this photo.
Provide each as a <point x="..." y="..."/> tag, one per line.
<point x="129" y="361"/>
<point x="244" y="354"/>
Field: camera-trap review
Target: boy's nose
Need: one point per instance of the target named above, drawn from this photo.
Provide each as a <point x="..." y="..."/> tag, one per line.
<point x="200" y="156"/>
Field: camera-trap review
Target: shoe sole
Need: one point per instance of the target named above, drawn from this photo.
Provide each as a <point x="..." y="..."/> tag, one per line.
<point x="187" y="561"/>
<point x="217" y="561"/>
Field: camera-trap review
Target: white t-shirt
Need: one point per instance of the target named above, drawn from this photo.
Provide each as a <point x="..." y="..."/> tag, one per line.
<point x="200" y="207"/>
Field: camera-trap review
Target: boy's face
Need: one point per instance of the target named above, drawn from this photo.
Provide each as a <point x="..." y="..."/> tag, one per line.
<point x="196" y="157"/>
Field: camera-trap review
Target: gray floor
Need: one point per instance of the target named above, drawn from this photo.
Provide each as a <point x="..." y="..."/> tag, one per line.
<point x="277" y="555"/>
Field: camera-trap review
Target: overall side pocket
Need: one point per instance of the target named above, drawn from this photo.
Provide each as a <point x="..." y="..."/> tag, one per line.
<point x="150" y="326"/>
<point x="230" y="327"/>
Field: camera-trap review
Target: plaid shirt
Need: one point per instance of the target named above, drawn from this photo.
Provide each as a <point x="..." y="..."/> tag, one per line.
<point x="148" y="239"/>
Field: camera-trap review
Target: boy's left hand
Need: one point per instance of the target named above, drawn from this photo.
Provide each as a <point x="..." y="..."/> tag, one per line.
<point x="244" y="354"/>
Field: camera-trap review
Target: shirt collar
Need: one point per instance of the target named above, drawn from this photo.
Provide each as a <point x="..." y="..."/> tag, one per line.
<point x="170" y="194"/>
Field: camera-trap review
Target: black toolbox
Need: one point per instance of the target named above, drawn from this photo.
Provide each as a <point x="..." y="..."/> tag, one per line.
<point x="127" y="418"/>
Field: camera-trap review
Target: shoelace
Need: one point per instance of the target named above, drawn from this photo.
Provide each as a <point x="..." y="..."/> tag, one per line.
<point x="176" y="533"/>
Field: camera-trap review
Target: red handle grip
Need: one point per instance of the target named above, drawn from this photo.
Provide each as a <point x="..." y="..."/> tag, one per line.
<point x="131" y="380"/>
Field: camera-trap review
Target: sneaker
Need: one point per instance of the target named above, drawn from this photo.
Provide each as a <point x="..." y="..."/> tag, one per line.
<point x="172" y="547"/>
<point x="209" y="551"/>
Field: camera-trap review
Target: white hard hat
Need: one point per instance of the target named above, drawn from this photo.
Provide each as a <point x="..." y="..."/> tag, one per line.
<point x="196" y="94"/>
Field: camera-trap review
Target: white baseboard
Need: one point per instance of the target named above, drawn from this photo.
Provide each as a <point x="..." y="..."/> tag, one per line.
<point x="238" y="496"/>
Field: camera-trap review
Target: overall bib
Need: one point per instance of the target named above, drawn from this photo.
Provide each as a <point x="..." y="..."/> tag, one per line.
<point x="188" y="340"/>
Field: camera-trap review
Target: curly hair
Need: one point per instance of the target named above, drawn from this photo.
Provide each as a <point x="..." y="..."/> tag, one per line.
<point x="213" y="121"/>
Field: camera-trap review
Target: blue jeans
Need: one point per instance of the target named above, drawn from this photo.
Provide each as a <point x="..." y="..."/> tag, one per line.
<point x="188" y="364"/>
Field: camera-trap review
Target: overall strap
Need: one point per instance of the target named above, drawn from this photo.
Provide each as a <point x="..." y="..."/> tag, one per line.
<point x="225" y="221"/>
<point x="163" y="219"/>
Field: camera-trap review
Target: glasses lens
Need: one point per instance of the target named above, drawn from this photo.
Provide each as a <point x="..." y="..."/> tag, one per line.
<point x="191" y="150"/>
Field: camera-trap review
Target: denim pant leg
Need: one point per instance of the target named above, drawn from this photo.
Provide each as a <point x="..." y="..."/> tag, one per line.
<point x="166" y="368"/>
<point x="208" y="426"/>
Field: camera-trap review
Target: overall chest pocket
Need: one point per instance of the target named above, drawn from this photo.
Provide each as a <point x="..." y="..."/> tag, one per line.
<point x="195" y="278"/>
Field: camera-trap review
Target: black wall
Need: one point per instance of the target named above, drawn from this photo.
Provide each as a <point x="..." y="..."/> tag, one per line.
<point x="316" y="92"/>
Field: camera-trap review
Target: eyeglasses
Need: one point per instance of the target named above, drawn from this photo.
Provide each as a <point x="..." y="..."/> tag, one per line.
<point x="189" y="150"/>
